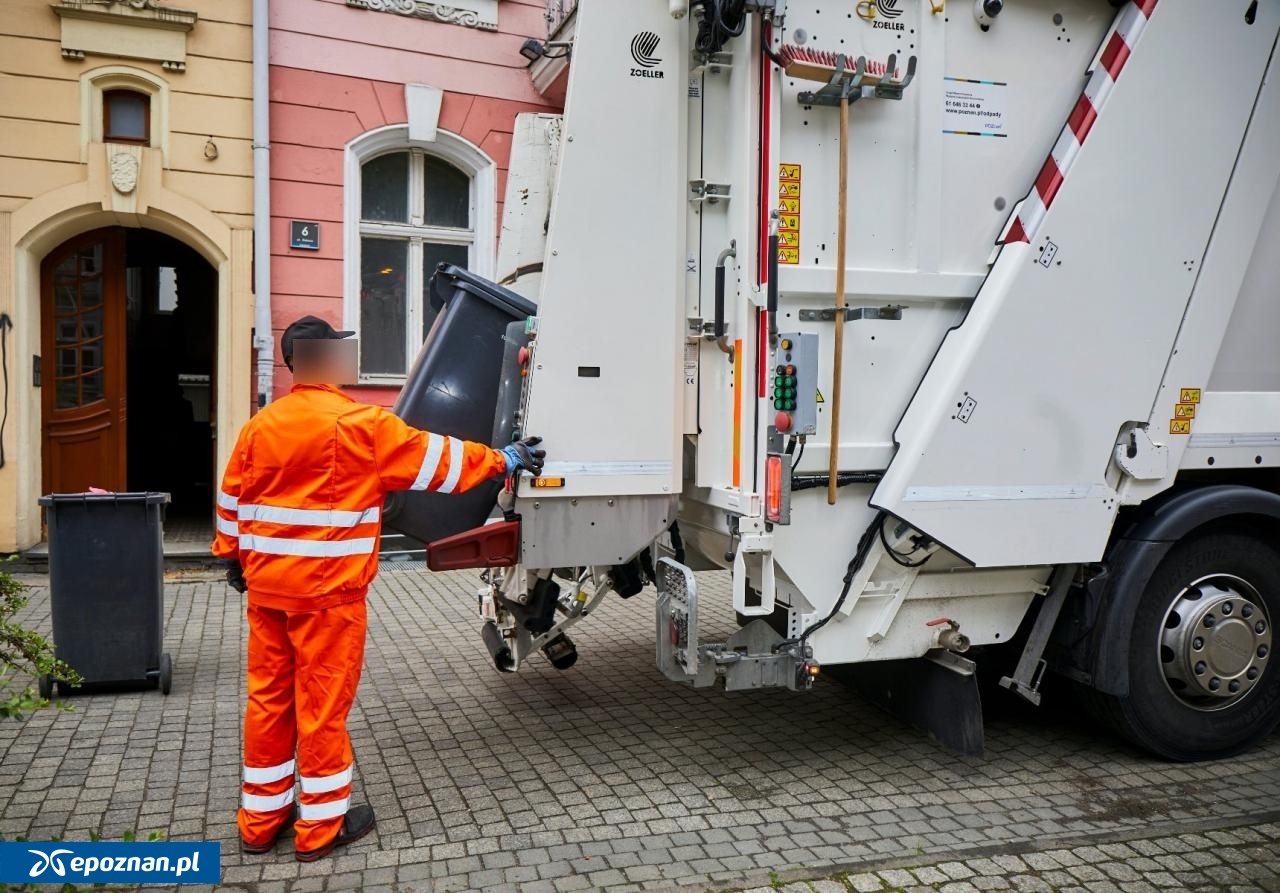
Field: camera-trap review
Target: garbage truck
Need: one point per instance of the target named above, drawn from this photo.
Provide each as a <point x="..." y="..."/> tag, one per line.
<point x="940" y="325"/>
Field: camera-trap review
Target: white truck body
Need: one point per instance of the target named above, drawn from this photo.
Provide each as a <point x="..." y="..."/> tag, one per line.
<point x="1062" y="288"/>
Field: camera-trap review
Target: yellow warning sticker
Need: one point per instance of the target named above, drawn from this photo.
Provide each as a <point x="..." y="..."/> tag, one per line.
<point x="1184" y="411"/>
<point x="1189" y="395"/>
<point x="789" y="218"/>
<point x="1179" y="426"/>
<point x="821" y="399"/>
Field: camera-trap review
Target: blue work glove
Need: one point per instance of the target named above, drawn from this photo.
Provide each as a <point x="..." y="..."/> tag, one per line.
<point x="523" y="454"/>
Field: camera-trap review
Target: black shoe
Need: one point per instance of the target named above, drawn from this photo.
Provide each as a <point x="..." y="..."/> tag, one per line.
<point x="257" y="849"/>
<point x="358" y="822"/>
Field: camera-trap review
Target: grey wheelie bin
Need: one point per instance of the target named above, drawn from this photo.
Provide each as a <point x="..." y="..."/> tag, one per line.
<point x="453" y="389"/>
<point x="106" y="588"/>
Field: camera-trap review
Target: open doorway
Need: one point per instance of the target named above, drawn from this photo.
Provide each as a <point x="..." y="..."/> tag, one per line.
<point x="128" y="359"/>
<point x="171" y="295"/>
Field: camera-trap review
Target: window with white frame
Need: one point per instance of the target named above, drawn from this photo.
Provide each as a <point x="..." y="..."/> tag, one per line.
<point x="414" y="208"/>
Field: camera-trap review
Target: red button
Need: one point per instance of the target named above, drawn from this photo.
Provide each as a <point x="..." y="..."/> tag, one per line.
<point x="523" y="355"/>
<point x="782" y="421"/>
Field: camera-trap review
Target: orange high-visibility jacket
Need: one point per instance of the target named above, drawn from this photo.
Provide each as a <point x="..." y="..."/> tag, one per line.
<point x="301" y="501"/>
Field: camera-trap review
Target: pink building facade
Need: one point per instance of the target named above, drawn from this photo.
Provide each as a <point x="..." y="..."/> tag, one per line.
<point x="391" y="130"/>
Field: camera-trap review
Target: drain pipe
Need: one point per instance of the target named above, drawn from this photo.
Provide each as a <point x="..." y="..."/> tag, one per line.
<point x="262" y="338"/>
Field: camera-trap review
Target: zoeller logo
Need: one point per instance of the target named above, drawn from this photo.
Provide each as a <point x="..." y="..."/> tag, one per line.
<point x="643" y="47"/>
<point x="49" y="860"/>
<point x="889" y="10"/>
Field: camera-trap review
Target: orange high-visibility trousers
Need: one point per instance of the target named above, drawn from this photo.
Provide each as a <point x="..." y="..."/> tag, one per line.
<point x="303" y="669"/>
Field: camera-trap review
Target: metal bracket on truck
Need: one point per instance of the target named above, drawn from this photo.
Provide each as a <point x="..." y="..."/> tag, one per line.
<point x="753" y="657"/>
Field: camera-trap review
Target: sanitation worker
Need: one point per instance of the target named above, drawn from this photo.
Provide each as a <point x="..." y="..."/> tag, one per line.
<point x="298" y="524"/>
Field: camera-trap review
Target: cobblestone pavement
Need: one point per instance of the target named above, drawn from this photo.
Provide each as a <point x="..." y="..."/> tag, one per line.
<point x="607" y="777"/>
<point x="1222" y="861"/>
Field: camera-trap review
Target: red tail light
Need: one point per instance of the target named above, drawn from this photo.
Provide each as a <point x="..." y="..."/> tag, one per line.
<point x="773" y="488"/>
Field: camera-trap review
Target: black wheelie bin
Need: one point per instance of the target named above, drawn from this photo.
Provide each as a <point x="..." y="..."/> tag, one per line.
<point x="106" y="588"/>
<point x="452" y="390"/>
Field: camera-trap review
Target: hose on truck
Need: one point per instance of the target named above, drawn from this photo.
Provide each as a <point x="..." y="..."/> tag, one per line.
<point x="865" y="542"/>
<point x="722" y="20"/>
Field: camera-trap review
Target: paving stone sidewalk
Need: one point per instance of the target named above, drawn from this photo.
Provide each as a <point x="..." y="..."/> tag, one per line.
<point x="605" y="777"/>
<point x="1231" y="860"/>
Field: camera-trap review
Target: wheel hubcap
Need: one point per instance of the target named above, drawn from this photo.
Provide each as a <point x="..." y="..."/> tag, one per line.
<point x="1216" y="642"/>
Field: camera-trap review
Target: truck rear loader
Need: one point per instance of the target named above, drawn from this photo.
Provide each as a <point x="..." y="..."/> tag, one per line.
<point x="939" y="325"/>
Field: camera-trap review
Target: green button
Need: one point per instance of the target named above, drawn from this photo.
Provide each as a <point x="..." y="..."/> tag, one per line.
<point x="777" y="392"/>
<point x="790" y="404"/>
<point x="789" y="393"/>
<point x="777" y="404"/>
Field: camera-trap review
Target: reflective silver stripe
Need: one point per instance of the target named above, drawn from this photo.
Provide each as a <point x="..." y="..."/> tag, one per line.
<point x="274" y="514"/>
<point x="254" y="803"/>
<point x="227" y="501"/>
<point x="268" y="774"/>
<point x="456" y="456"/>
<point x="430" y="463"/>
<point x="230" y="528"/>
<point x="318" y="812"/>
<point x="276" y="545"/>
<point x="323" y="784"/>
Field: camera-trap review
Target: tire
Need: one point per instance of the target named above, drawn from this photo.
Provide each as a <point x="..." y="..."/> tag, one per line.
<point x="166" y="673"/>
<point x="1169" y="710"/>
<point x="45" y="685"/>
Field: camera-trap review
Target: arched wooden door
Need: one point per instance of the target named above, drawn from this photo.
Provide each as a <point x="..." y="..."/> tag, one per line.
<point x="83" y="335"/>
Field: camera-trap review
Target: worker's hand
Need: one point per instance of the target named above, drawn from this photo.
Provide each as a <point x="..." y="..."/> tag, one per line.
<point x="235" y="577"/>
<point x="524" y="454"/>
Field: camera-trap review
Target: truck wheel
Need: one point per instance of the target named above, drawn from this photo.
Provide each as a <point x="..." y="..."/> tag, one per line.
<point x="1202" y="681"/>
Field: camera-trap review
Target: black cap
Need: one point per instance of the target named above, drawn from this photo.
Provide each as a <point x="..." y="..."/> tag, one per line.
<point x="307" y="328"/>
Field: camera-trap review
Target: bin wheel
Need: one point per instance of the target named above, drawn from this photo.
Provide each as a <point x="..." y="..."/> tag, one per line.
<point x="166" y="673"/>
<point x="46" y="687"/>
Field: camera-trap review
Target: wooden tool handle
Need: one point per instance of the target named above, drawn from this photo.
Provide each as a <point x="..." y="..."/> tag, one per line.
<point x="842" y="217"/>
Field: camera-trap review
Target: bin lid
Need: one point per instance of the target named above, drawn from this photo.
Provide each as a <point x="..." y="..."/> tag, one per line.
<point x="147" y="498"/>
<point x="450" y="276"/>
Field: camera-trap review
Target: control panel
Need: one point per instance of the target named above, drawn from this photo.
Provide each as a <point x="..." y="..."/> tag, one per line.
<point x="795" y="384"/>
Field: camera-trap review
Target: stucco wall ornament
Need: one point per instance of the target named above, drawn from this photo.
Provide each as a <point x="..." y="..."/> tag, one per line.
<point x="124" y="172"/>
<point x="473" y="14"/>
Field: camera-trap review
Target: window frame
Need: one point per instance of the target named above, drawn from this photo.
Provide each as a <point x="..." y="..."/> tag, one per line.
<point x="107" y="94"/>
<point x="97" y="81"/>
<point x="481" y="240"/>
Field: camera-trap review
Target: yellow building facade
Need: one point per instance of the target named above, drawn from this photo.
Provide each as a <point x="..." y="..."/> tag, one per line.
<point x="126" y="249"/>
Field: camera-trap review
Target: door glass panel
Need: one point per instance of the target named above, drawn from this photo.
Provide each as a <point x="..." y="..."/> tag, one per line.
<point x="448" y="196"/>
<point x="68" y="393"/>
<point x="91" y="356"/>
<point x="91" y="324"/>
<point x="65" y="298"/>
<point x="91" y="388"/>
<point x="434" y="254"/>
<point x="383" y="306"/>
<point x="91" y="293"/>
<point x="91" y="260"/>
<point x="384" y="188"/>
<point x="79" y="356"/>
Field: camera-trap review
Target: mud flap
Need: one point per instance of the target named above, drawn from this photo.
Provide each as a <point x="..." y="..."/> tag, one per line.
<point x="937" y="694"/>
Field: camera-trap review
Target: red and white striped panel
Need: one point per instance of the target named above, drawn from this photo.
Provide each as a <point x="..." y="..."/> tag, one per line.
<point x="1123" y="39"/>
